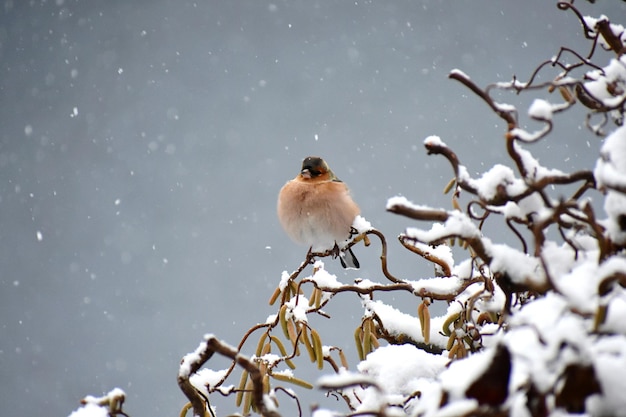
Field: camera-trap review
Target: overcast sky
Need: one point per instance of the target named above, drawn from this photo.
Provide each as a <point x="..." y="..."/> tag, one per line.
<point x="143" y="144"/>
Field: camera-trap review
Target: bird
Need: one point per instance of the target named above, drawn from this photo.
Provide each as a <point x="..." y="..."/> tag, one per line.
<point x="316" y="209"/>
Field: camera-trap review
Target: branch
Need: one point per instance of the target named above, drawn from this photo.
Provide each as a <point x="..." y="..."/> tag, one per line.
<point x="445" y="268"/>
<point x="192" y="362"/>
<point x="418" y="214"/>
<point x="505" y="113"/>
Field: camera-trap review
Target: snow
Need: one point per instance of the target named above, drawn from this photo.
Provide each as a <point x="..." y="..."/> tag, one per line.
<point x="610" y="355"/>
<point x="518" y="266"/>
<point x="442" y="252"/>
<point x="401" y="325"/>
<point x="505" y="107"/>
<point x="193" y="357"/>
<point x="457" y="224"/>
<point x="579" y="286"/>
<point x="458" y="72"/>
<point x="322" y="412"/>
<point x="297" y="307"/>
<point x="91" y="410"/>
<point x="510" y="84"/>
<point x="617" y="29"/>
<point x="540" y="110"/>
<point x="615" y="207"/>
<point x="398" y="368"/>
<point x="608" y="86"/>
<point x="401" y="201"/>
<point x="323" y="278"/>
<point x="442" y="285"/>
<point x="458" y="408"/>
<point x="610" y="172"/>
<point x="615" y="322"/>
<point x="435" y="140"/>
<point x="101" y="406"/>
<point x="207" y="378"/>
<point x="284" y="280"/>
<point x="535" y="170"/>
<point x="361" y="225"/>
<point x="455" y="379"/>
<point x="271" y="359"/>
<point x="501" y="179"/>
<point x="498" y="176"/>
<point x="285" y="372"/>
<point x="399" y="371"/>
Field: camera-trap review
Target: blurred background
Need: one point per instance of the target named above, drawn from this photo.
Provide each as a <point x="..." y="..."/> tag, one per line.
<point x="143" y="144"/>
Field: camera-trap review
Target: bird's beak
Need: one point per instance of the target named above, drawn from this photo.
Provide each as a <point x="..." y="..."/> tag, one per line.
<point x="306" y="173"/>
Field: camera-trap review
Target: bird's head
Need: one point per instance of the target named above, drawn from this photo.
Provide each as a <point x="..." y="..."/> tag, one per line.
<point x="315" y="168"/>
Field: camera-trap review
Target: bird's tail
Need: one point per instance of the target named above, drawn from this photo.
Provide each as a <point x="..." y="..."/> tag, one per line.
<point x="348" y="260"/>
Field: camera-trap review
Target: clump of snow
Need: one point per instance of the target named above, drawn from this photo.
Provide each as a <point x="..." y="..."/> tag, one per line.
<point x="435" y="140"/>
<point x="361" y="225"/>
<point x="614" y="322"/>
<point x="441" y="252"/>
<point x="398" y="367"/>
<point x="520" y="267"/>
<point x="617" y="29"/>
<point x="284" y="280"/>
<point x="609" y="360"/>
<point x="323" y="278"/>
<point x="611" y="166"/>
<point x="615" y="207"/>
<point x="456" y="379"/>
<point x="400" y="370"/>
<point x="185" y="366"/>
<point x="395" y="322"/>
<point x="91" y="410"/>
<point x="402" y="325"/>
<point x="457" y="71"/>
<point x="442" y="285"/>
<point x="535" y="170"/>
<point x="464" y="269"/>
<point x="457" y="408"/>
<point x="511" y="84"/>
<point x="388" y="376"/>
<point x="540" y="110"/>
<point x="610" y="173"/>
<point x="505" y="107"/>
<point x="401" y="201"/>
<point x="609" y="85"/>
<point x="271" y="318"/>
<point x="101" y="406"/>
<point x="297" y="307"/>
<point x="322" y="412"/>
<point x="488" y="185"/>
<point x="457" y="224"/>
<point x="366" y="283"/>
<point x="285" y="372"/>
<point x="444" y="253"/>
<point x="205" y="379"/>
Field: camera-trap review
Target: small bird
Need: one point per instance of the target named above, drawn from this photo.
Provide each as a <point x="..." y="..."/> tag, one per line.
<point x="315" y="209"/>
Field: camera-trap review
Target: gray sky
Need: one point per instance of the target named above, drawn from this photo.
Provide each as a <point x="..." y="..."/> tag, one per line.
<point x="143" y="144"/>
